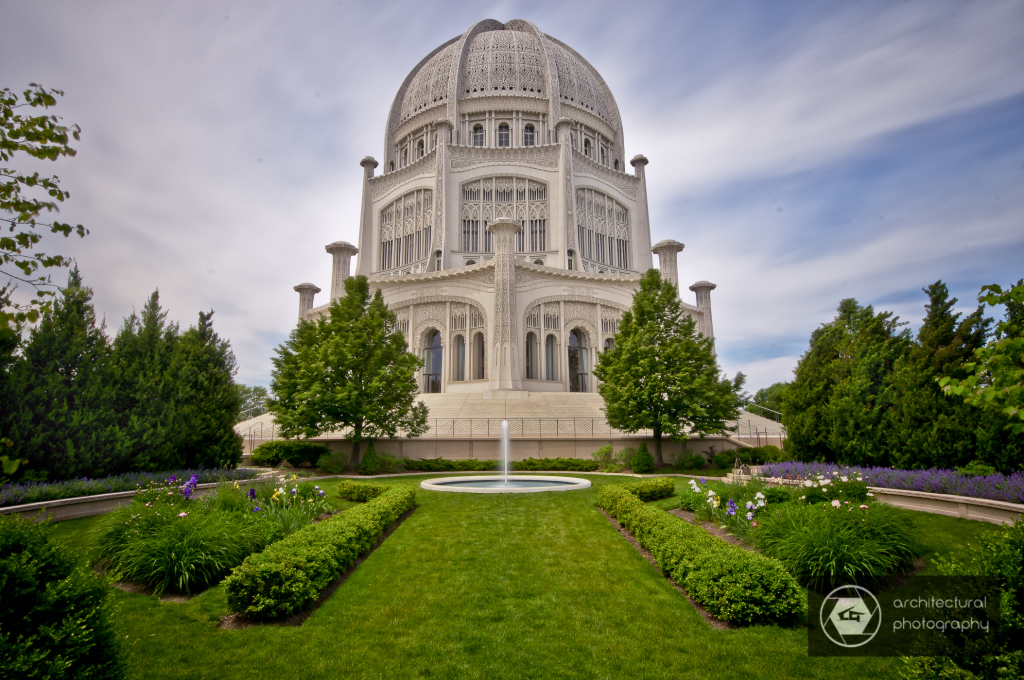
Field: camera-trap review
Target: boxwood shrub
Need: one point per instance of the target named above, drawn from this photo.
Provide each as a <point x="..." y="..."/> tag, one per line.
<point x="296" y="453"/>
<point x="289" y="576"/>
<point x="360" y="491"/>
<point x="566" y="464"/>
<point x="445" y="465"/>
<point x="55" y="620"/>
<point x="651" y="489"/>
<point x="737" y="586"/>
<point x="642" y="463"/>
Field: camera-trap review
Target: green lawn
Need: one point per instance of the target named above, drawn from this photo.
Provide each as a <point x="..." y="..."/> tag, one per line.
<point x="487" y="586"/>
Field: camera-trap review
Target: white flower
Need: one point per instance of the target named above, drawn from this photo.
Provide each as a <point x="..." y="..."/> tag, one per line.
<point x="826" y="482"/>
<point x="760" y="504"/>
<point x="836" y="504"/>
<point x="750" y="506"/>
<point x="844" y="479"/>
<point x="750" y="516"/>
<point x="808" y="483"/>
<point x="870" y="494"/>
<point x="759" y="495"/>
<point x="802" y="497"/>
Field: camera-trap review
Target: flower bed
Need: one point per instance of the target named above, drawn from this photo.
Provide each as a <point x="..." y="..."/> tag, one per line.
<point x="998" y="487"/>
<point x="737" y="586"/>
<point x="38" y="492"/>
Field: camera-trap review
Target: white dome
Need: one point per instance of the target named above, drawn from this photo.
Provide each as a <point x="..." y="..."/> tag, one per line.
<point x="513" y="59"/>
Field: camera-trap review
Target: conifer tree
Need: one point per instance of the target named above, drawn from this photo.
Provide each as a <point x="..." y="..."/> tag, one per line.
<point x="144" y="356"/>
<point x="661" y="374"/>
<point x="349" y="369"/>
<point x="206" y="400"/>
<point x="64" y="423"/>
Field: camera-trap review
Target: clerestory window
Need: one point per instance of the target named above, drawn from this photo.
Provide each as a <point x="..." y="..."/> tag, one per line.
<point x="503" y="135"/>
<point x="478" y="135"/>
<point x="528" y="135"/>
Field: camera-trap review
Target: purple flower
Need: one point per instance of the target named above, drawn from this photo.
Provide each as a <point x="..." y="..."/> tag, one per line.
<point x="256" y="509"/>
<point x="252" y="494"/>
<point x="172" y="479"/>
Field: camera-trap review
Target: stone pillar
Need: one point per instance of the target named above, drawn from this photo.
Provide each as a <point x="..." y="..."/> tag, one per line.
<point x="342" y="252"/>
<point x="306" y="292"/>
<point x="440" y="223"/>
<point x="640" y="260"/>
<point x="504" y="373"/>
<point x="563" y="128"/>
<point x="703" y="290"/>
<point x="666" y="252"/>
<point x="367" y="262"/>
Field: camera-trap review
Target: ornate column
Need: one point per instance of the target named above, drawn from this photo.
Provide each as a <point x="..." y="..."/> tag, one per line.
<point x="666" y="252"/>
<point x="703" y="290"/>
<point x="504" y="374"/>
<point x="306" y="292"/>
<point x="440" y="222"/>
<point x="642" y="229"/>
<point x="342" y="252"/>
<point x="367" y="262"/>
<point x="563" y="128"/>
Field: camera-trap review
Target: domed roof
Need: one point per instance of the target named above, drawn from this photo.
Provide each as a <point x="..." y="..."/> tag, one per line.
<point x="513" y="59"/>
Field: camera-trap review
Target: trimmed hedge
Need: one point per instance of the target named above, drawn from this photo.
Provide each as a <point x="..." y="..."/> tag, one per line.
<point x="735" y="585"/>
<point x="55" y="616"/>
<point x="289" y="576"/>
<point x="296" y="453"/>
<point x="445" y="465"/>
<point x="361" y="491"/>
<point x="651" y="489"/>
<point x="568" y="464"/>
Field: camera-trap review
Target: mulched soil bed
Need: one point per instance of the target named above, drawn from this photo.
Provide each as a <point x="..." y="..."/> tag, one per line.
<point x="712" y="529"/>
<point x="712" y="620"/>
<point x="237" y="621"/>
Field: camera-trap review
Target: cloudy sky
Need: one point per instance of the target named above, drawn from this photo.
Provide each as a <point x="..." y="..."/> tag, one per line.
<point x="804" y="152"/>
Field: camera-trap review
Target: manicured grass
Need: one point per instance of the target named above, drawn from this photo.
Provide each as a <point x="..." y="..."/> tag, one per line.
<point x="487" y="586"/>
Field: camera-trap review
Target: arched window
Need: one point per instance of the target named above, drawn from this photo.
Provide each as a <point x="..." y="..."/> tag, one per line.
<point x="478" y="357"/>
<point x="469" y="262"/>
<point x="604" y="156"/>
<point x="432" y="355"/>
<point x="570" y="261"/>
<point x="405" y="157"/>
<point x="550" y="358"/>
<point x="616" y="163"/>
<point x="437" y="261"/>
<point x="503" y="136"/>
<point x="391" y="166"/>
<point x="531" y="356"/>
<point x="609" y="343"/>
<point x="419" y="149"/>
<point x="577" y="361"/>
<point x="586" y="148"/>
<point x="459" y="369"/>
<point x="478" y="135"/>
<point x="528" y="136"/>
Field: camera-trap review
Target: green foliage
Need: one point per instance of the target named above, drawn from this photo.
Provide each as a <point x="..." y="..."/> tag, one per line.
<point x="446" y="465"/>
<point x="604" y="455"/>
<point x="333" y="463"/>
<point x="566" y="464"/>
<point x="360" y="492"/>
<point x="348" y="370"/>
<point x="724" y="460"/>
<point x="765" y="454"/>
<point x="733" y="584"/>
<point x="818" y="491"/>
<point x="642" y="463"/>
<point x="825" y="546"/>
<point x="24" y="197"/>
<point x="270" y="454"/>
<point x="288" y="576"/>
<point x="661" y="374"/>
<point x="995" y="380"/>
<point x="771" y="396"/>
<point x="867" y="393"/>
<point x="252" y="401"/>
<point x="370" y="464"/>
<point x="977" y="469"/>
<point x="689" y="462"/>
<point x="55" y="620"/>
<point x="651" y="489"/>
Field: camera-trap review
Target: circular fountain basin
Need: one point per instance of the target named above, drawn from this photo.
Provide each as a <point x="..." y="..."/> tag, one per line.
<point x="496" y="484"/>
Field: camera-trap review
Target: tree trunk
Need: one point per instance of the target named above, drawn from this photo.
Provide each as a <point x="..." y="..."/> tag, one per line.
<point x="357" y="439"/>
<point x="658" y="460"/>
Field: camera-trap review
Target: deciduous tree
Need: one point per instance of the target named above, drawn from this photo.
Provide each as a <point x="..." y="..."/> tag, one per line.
<point x="661" y="374"/>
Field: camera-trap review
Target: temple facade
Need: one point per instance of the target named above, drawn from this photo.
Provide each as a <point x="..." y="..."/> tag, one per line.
<point x="504" y="229"/>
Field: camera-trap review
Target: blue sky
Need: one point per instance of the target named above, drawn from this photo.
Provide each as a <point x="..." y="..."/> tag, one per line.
<point x="803" y="151"/>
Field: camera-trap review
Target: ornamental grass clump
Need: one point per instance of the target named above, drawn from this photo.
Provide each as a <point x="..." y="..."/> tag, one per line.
<point x="838" y="543"/>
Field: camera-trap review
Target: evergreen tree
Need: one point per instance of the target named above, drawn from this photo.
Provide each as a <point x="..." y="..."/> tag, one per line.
<point x="144" y="358"/>
<point x="349" y="369"/>
<point x="207" y="401"/>
<point x="833" y="409"/>
<point x="661" y="373"/>
<point x="64" y="423"/>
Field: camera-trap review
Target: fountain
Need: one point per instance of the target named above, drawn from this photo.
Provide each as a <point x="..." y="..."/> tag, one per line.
<point x="505" y="484"/>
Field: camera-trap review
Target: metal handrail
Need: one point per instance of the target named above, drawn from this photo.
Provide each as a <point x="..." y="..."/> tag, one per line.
<point x="775" y="415"/>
